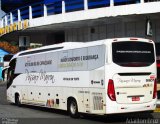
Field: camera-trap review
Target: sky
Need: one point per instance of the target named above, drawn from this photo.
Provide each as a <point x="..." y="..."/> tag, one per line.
<point x="1" y="12"/>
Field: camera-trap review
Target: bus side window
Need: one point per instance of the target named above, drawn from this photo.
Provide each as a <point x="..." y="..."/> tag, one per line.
<point x="12" y="64"/>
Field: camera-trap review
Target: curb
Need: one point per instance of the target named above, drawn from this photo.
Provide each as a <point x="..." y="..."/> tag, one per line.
<point x="157" y="110"/>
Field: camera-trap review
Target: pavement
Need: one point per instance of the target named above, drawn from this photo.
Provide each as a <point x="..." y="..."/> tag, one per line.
<point x="12" y="114"/>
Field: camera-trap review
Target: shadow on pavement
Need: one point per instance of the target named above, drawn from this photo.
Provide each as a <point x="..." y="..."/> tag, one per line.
<point x="115" y="118"/>
<point x="118" y="118"/>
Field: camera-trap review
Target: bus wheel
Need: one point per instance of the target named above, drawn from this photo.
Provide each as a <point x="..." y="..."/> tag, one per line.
<point x="17" y="100"/>
<point x="73" y="108"/>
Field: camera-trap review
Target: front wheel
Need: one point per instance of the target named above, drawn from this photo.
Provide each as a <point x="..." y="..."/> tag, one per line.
<point x="73" y="109"/>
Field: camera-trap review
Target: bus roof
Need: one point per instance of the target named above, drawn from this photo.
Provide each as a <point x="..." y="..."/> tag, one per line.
<point x="73" y="45"/>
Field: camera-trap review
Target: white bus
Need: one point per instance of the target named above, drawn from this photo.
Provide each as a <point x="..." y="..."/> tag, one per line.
<point x="101" y="77"/>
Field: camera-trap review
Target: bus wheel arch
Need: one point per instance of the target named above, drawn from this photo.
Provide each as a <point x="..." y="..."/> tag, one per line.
<point x="72" y="107"/>
<point x="17" y="99"/>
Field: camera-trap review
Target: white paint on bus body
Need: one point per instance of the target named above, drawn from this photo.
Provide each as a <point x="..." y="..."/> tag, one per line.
<point x="84" y="71"/>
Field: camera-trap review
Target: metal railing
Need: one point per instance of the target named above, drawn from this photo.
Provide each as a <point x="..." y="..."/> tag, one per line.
<point x="60" y="7"/>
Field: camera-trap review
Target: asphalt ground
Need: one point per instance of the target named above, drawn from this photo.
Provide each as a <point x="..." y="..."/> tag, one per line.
<point x="12" y="114"/>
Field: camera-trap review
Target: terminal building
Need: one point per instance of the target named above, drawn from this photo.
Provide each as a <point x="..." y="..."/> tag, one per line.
<point x="55" y="21"/>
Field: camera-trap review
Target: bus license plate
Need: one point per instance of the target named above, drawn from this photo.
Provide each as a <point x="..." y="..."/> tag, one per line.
<point x="135" y="98"/>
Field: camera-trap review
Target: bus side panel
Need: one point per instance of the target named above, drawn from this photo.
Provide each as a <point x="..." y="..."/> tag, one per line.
<point x="49" y="79"/>
<point x="97" y="91"/>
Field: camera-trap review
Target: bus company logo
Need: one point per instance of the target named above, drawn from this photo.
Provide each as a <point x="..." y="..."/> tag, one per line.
<point x="132" y="80"/>
<point x="42" y="76"/>
<point x="95" y="82"/>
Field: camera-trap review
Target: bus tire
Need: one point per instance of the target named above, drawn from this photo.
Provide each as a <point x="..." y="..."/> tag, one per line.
<point x="73" y="108"/>
<point x="17" y="100"/>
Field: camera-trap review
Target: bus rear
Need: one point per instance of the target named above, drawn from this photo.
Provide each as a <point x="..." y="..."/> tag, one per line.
<point x="131" y="85"/>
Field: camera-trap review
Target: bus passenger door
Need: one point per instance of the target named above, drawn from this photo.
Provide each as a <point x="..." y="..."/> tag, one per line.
<point x="24" y="93"/>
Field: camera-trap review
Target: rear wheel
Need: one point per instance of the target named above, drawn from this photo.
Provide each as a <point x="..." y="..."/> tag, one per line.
<point x="17" y="100"/>
<point x="73" y="109"/>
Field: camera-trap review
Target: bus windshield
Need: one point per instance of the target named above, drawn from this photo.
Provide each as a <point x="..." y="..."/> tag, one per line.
<point x="133" y="53"/>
